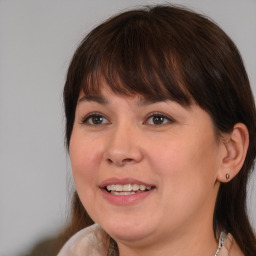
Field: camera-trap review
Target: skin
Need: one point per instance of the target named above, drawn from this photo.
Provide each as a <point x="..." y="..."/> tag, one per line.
<point x="180" y="155"/>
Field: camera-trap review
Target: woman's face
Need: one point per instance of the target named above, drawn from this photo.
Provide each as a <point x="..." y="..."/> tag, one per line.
<point x="144" y="170"/>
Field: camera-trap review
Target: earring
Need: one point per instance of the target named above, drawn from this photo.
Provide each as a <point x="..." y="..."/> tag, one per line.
<point x="227" y="176"/>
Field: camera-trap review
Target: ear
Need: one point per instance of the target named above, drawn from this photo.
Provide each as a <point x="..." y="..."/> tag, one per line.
<point x="236" y="145"/>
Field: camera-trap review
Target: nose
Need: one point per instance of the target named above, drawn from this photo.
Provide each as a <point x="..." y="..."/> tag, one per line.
<point x="123" y="146"/>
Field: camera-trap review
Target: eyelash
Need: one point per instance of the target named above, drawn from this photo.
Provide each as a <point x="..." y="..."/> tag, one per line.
<point x="167" y="119"/>
<point x="85" y="120"/>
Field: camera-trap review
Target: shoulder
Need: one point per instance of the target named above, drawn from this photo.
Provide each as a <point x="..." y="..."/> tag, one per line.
<point x="89" y="241"/>
<point x="230" y="247"/>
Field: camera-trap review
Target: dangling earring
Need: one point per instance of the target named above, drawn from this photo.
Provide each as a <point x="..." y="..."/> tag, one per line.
<point x="227" y="176"/>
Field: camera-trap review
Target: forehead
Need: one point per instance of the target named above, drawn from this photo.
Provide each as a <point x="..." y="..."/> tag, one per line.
<point x="99" y="81"/>
<point x="107" y="97"/>
<point x="98" y="87"/>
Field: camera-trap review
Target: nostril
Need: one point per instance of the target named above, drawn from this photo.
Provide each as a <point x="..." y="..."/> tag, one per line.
<point x="120" y="161"/>
<point x="109" y="160"/>
<point x="127" y="160"/>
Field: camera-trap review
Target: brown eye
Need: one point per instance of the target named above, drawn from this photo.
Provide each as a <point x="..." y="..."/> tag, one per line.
<point x="158" y="119"/>
<point x="95" y="119"/>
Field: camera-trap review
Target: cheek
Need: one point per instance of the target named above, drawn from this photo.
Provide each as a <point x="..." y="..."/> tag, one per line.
<point x="85" y="158"/>
<point x="85" y="161"/>
<point x="186" y="170"/>
<point x="186" y="165"/>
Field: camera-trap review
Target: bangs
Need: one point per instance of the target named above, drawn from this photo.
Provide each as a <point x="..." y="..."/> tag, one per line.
<point x="135" y="59"/>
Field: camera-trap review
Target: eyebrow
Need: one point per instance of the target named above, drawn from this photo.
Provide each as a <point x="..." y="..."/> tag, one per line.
<point x="142" y="101"/>
<point x="150" y="100"/>
<point x="95" y="98"/>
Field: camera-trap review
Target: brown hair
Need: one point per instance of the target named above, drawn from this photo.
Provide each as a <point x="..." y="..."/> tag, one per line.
<point x="170" y="52"/>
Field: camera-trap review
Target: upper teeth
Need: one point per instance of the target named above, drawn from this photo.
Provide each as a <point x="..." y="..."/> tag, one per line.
<point x="127" y="187"/>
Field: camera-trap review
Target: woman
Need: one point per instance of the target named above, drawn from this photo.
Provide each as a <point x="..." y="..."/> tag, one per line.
<point x="160" y="127"/>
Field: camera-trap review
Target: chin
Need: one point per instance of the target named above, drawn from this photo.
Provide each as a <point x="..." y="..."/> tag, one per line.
<point x="129" y="231"/>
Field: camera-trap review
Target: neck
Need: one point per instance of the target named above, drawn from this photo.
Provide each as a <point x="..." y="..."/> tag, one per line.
<point x="199" y="244"/>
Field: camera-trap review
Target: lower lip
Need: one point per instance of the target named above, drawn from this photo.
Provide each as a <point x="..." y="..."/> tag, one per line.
<point x="126" y="199"/>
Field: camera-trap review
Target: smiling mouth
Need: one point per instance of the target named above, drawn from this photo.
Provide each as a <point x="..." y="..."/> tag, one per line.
<point x="127" y="189"/>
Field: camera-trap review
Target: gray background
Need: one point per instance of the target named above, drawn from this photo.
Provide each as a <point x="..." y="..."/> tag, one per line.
<point x="37" y="40"/>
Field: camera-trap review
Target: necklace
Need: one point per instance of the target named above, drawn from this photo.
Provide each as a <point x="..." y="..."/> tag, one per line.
<point x="221" y="242"/>
<point x="222" y="239"/>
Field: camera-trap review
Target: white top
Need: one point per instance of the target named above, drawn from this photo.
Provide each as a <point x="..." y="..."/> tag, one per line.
<point x="93" y="241"/>
<point x="89" y="241"/>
